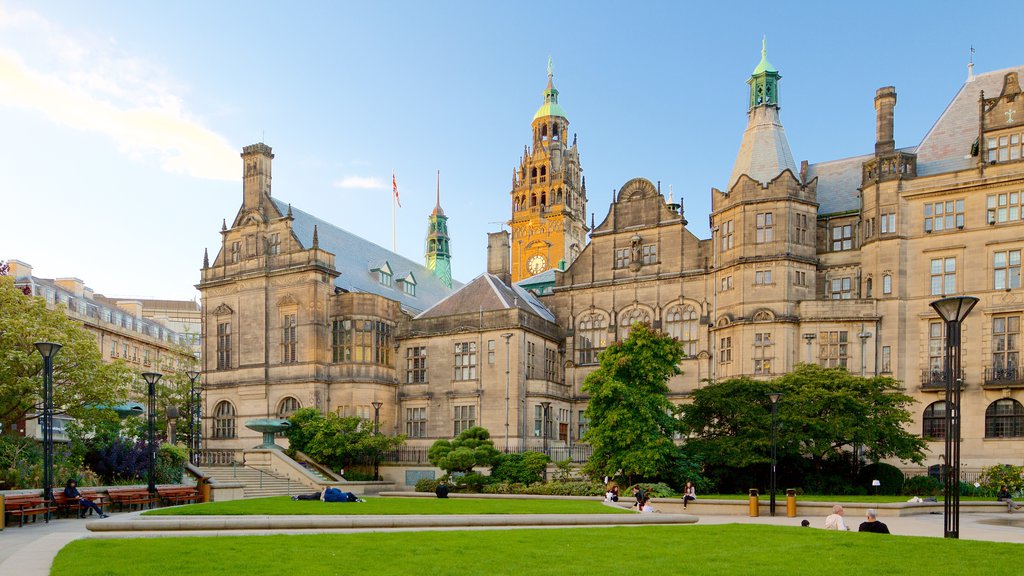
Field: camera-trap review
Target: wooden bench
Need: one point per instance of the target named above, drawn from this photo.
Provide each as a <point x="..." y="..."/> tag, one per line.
<point x="131" y="497"/>
<point x="65" y="505"/>
<point x="21" y="506"/>
<point x="178" y="494"/>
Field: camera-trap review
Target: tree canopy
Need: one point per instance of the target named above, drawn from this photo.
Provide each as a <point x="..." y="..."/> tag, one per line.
<point x="337" y="441"/>
<point x="631" y="420"/>
<point x="81" y="380"/>
<point x="471" y="448"/>
<point x="823" y="412"/>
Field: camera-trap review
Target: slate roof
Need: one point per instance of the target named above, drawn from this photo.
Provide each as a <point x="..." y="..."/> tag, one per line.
<point x="764" y="152"/>
<point x="355" y="257"/>
<point x="487" y="292"/>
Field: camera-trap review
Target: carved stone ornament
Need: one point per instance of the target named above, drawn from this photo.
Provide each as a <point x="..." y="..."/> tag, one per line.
<point x="287" y="300"/>
<point x="223" y="310"/>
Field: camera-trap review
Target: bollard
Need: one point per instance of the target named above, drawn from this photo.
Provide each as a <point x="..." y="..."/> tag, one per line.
<point x="3" y="513"/>
<point x="790" y="503"/>
<point x="754" y="512"/>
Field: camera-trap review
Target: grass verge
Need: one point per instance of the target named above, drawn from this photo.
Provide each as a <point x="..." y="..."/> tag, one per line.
<point x="725" y="550"/>
<point x="283" y="505"/>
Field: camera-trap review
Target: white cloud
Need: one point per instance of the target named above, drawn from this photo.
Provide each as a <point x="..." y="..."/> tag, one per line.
<point x="361" y="183"/>
<point x="99" y="89"/>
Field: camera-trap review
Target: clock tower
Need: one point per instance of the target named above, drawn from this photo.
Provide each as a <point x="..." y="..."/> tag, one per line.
<point x="549" y="195"/>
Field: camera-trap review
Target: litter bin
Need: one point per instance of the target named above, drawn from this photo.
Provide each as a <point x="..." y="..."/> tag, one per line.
<point x="204" y="490"/>
<point x="790" y="503"/>
<point x="753" y="503"/>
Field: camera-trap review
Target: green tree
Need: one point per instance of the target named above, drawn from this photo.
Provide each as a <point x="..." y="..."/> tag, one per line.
<point x="471" y="448"/>
<point x="823" y="413"/>
<point x="632" y="421"/>
<point x="81" y="380"/>
<point x="338" y="441"/>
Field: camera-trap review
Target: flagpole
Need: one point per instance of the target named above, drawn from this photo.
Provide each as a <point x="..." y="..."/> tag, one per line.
<point x="394" y="195"/>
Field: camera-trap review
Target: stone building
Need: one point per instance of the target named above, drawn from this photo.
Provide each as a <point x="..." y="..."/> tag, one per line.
<point x="834" y="262"/>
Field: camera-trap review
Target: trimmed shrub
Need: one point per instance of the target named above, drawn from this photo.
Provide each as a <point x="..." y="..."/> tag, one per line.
<point x="922" y="486"/>
<point x="574" y="488"/>
<point x="890" y="477"/>
<point x="427" y="484"/>
<point x="526" y="468"/>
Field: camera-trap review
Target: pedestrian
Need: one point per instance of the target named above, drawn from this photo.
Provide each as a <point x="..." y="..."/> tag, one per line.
<point x="834" y="521"/>
<point x="872" y="524"/>
<point x="640" y="496"/>
<point x="689" y="494"/>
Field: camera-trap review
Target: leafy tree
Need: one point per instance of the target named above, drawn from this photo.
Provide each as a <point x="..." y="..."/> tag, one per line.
<point x="471" y="448"/>
<point x="823" y="414"/>
<point x="631" y="418"/>
<point x="1007" y="475"/>
<point x="338" y="441"/>
<point x="81" y="379"/>
<point x="526" y="468"/>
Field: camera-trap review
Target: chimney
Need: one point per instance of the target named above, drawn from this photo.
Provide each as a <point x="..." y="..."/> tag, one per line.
<point x="885" y="103"/>
<point x="499" y="256"/>
<point x="256" y="160"/>
<point x="133" y="307"/>
<point x="19" y="269"/>
<point x="73" y="285"/>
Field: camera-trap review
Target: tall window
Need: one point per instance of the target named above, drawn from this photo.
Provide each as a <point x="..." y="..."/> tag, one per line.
<point x="800" y="234"/>
<point x="887" y="284"/>
<point x="416" y="422"/>
<point x="1006" y="270"/>
<point x="541" y="427"/>
<point x="939" y="216"/>
<point x="223" y="345"/>
<point x="224" y="420"/>
<point x="236" y="252"/>
<point x="886" y="359"/>
<point x="1004" y="419"/>
<point x="934" y="420"/>
<point x="762" y="277"/>
<point x="288" y="339"/>
<point x="649" y="254"/>
<point x="943" y="276"/>
<point x="842" y="237"/>
<point x="339" y="333"/>
<point x="765" y="231"/>
<point x="1003" y="207"/>
<point x="531" y="359"/>
<point x="591" y="334"/>
<point x="763" y="353"/>
<point x="726" y="283"/>
<point x="725" y="349"/>
<point x="465" y="418"/>
<point x="550" y="365"/>
<point x="936" y="351"/>
<point x="628" y="317"/>
<point x="800" y="278"/>
<point x="622" y="257"/>
<point x="841" y="288"/>
<point x="362" y="341"/>
<point x="581" y="424"/>
<point x="1004" y="148"/>
<point x="887" y="223"/>
<point x="727" y="238"/>
<point x="681" y="323"/>
<point x="1005" y="347"/>
<point x="382" y="343"/>
<point x="833" y="348"/>
<point x="465" y="361"/>
<point x="416" y="364"/>
<point x="274" y="244"/>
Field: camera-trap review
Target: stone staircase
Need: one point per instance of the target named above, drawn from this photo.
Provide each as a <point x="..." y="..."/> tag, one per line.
<point x="258" y="483"/>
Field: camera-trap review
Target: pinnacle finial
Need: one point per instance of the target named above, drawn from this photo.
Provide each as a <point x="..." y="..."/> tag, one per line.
<point x="551" y="67"/>
<point x="764" y="46"/>
<point x="289" y="209"/>
<point x="438" y="188"/>
<point x="316" y="237"/>
<point x="223" y="225"/>
<point x="206" y="258"/>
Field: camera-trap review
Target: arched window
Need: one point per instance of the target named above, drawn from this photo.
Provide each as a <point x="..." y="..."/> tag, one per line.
<point x="681" y="324"/>
<point x="543" y="171"/>
<point x="628" y="317"/>
<point x="287" y="406"/>
<point x="533" y="200"/>
<point x="591" y="335"/>
<point x="558" y="196"/>
<point x="544" y="132"/>
<point x="224" y="420"/>
<point x="533" y="173"/>
<point x="887" y="284"/>
<point x="867" y="287"/>
<point x="933" y="424"/>
<point x="543" y="198"/>
<point x="554" y="132"/>
<point x="1004" y="419"/>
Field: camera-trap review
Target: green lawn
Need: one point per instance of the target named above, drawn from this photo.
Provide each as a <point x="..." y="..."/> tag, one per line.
<point x="283" y="505"/>
<point x="727" y="550"/>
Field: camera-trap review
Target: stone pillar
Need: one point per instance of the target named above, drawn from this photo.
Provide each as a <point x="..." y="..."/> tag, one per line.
<point x="885" y="103"/>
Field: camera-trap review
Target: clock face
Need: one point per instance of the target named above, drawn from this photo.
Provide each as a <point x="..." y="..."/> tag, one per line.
<point x="536" y="264"/>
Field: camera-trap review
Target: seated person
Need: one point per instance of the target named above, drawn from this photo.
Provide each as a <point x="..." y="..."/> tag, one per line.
<point x="872" y="524"/>
<point x="71" y="492"/>
<point x="1004" y="496"/>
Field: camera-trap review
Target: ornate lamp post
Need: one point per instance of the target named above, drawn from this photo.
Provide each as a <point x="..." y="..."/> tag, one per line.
<point x="953" y="311"/>
<point x="47" y="350"/>
<point x="193" y="446"/>
<point x="774" y="397"/>
<point x="151" y="379"/>
<point x="376" y="431"/>
<point x="507" y="336"/>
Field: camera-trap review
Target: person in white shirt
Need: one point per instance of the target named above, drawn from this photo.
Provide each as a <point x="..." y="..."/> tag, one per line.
<point x="834" y="521"/>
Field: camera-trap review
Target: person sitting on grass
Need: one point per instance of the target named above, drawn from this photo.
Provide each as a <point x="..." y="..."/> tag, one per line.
<point x="71" y="493"/>
<point x="645" y="506"/>
<point x="329" y="494"/>
<point x="873" y="524"/>
<point x="1004" y="496"/>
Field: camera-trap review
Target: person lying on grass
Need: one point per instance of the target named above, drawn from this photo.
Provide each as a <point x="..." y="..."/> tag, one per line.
<point x="329" y="494"/>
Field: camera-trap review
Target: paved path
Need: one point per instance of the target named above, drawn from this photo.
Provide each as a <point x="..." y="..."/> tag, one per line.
<point x="29" y="551"/>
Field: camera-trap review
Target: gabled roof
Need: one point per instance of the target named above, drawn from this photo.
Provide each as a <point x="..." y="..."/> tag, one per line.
<point x="838" y="183"/>
<point x="356" y="257"/>
<point x="485" y="293"/>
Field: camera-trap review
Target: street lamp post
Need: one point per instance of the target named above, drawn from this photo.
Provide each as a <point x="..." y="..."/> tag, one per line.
<point x="774" y="397"/>
<point x="376" y="431"/>
<point x="953" y="311"/>
<point x="544" y="432"/>
<point x="47" y="350"/>
<point x="151" y="379"/>
<point x="507" y="336"/>
<point x="193" y="449"/>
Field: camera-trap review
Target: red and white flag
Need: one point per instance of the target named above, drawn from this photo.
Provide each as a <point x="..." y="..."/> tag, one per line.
<point x="394" y="186"/>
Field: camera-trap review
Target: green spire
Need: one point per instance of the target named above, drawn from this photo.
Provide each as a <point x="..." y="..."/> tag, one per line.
<point x="763" y="81"/>
<point x="550" y="107"/>
<point x="439" y="256"/>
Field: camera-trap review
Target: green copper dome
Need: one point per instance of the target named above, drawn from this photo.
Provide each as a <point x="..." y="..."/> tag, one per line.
<point x="764" y="65"/>
<point x="550" y="107"/>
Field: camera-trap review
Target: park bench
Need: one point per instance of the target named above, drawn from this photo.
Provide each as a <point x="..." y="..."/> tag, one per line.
<point x="20" y="506"/>
<point x="131" y="497"/>
<point x="65" y="505"/>
<point x="178" y="494"/>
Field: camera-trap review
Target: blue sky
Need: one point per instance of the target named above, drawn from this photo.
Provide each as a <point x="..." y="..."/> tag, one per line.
<point x="122" y="121"/>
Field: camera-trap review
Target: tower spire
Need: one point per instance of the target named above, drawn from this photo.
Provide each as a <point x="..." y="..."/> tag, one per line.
<point x="438" y="254"/>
